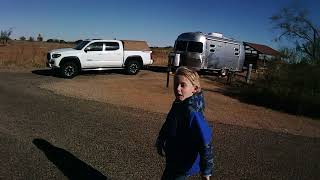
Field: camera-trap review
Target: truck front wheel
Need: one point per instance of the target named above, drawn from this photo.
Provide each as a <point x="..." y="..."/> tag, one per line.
<point x="69" y="70"/>
<point x="133" y="67"/>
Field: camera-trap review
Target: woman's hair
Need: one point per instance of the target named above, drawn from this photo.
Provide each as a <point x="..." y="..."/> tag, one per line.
<point x="191" y="75"/>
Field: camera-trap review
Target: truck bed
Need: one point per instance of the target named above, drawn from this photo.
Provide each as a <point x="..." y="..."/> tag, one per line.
<point x="130" y="45"/>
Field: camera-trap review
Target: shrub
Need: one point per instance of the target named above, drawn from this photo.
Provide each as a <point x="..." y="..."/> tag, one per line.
<point x="53" y="40"/>
<point x="5" y="35"/>
<point x="39" y="38"/>
<point x="78" y="41"/>
<point x="22" y="38"/>
<point x="293" y="88"/>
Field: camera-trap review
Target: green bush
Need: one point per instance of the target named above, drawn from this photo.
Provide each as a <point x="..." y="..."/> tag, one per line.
<point x="294" y="88"/>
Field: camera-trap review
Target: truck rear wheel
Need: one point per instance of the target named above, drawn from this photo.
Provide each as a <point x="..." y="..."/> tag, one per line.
<point x="69" y="70"/>
<point x="133" y="67"/>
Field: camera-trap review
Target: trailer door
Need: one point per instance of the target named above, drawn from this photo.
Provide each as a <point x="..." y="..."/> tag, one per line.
<point x="223" y="54"/>
<point x="230" y="55"/>
<point x="215" y="54"/>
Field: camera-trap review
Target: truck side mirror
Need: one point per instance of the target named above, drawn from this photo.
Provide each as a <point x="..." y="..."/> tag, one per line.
<point x="87" y="49"/>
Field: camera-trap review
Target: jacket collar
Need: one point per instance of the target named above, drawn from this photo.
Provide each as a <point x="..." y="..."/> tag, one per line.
<point x="195" y="102"/>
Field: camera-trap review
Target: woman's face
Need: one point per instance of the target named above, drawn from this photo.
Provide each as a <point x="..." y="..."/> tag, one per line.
<point x="183" y="88"/>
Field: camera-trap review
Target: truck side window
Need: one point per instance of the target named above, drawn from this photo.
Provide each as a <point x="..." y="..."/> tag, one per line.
<point x="111" y="46"/>
<point x="97" y="46"/>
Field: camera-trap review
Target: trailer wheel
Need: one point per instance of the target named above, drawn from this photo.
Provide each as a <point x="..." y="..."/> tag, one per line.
<point x="224" y="72"/>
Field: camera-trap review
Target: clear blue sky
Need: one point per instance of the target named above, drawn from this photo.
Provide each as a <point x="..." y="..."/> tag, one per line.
<point x="157" y="22"/>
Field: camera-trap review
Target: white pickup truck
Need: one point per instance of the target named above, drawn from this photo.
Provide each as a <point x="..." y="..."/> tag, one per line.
<point x="100" y="55"/>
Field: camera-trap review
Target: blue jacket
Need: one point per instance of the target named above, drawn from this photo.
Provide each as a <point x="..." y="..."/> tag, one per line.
<point x="186" y="138"/>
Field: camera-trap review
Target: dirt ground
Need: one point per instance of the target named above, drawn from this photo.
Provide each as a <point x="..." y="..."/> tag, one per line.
<point x="148" y="91"/>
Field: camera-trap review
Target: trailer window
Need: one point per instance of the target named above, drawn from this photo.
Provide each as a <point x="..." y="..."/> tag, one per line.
<point x="195" y="47"/>
<point x="181" y="45"/>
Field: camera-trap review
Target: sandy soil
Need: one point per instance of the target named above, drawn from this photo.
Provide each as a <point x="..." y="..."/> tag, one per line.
<point x="147" y="91"/>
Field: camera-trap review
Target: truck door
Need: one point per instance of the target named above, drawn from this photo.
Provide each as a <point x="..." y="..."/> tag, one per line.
<point x="93" y="55"/>
<point x="112" y="54"/>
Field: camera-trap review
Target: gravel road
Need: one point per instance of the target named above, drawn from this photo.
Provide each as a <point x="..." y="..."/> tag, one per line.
<point x="50" y="136"/>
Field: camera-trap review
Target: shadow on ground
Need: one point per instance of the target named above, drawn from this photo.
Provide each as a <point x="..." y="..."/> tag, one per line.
<point x="49" y="72"/>
<point x="162" y="69"/>
<point x="71" y="166"/>
<point x="44" y="72"/>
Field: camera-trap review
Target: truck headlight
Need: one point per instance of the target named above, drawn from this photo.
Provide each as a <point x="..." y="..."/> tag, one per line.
<point x="56" y="55"/>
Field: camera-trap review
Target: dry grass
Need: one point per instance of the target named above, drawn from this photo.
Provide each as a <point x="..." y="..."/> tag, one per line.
<point x="26" y="54"/>
<point x="33" y="54"/>
<point x="160" y="56"/>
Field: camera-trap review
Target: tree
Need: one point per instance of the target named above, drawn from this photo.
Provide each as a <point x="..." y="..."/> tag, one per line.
<point x="31" y="39"/>
<point x="78" y="41"/>
<point x="40" y="38"/>
<point x="5" y="35"/>
<point x="62" y="41"/>
<point x="22" y="38"/>
<point x="295" y="25"/>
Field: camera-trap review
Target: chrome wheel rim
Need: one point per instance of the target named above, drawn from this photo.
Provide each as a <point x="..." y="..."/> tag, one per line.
<point x="69" y="71"/>
<point x="133" y="68"/>
<point x="223" y="72"/>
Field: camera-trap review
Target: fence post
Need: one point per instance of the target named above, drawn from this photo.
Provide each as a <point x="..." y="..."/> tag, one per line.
<point x="169" y="69"/>
<point x="248" y="76"/>
<point x="230" y="77"/>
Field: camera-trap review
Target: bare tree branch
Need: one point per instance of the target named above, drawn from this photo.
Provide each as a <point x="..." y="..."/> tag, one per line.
<point x="295" y="25"/>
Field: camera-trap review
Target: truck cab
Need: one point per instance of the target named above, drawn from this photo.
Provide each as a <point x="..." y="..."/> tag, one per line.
<point x="101" y="53"/>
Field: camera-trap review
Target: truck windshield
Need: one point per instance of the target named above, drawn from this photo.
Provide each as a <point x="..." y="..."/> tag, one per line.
<point x="81" y="45"/>
<point x="189" y="46"/>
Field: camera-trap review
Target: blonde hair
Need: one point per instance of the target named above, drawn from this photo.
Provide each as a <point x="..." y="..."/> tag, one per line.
<point x="190" y="74"/>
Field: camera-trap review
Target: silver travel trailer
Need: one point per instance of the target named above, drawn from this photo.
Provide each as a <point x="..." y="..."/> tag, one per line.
<point x="211" y="51"/>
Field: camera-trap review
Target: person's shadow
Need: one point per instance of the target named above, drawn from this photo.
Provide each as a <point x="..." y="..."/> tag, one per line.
<point x="71" y="166"/>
